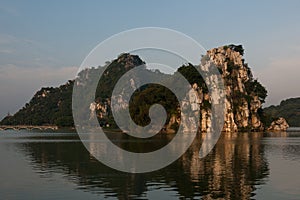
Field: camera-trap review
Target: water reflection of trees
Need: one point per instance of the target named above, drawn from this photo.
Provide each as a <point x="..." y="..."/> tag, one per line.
<point x="231" y="171"/>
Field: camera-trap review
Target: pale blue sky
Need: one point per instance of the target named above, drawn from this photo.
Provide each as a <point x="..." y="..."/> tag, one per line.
<point x="42" y="43"/>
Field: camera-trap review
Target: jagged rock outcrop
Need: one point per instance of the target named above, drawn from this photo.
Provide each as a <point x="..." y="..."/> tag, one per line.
<point x="244" y="95"/>
<point x="279" y="124"/>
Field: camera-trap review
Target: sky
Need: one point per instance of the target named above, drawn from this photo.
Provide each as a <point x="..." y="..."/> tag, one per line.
<point x="43" y="43"/>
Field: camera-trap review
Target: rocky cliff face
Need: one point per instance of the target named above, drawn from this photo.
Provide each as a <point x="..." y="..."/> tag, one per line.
<point x="244" y="95"/>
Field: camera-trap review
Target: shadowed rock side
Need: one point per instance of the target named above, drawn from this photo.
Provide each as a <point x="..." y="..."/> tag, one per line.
<point x="244" y="95"/>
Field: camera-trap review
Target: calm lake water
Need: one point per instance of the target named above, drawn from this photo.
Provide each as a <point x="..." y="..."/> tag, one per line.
<point x="241" y="166"/>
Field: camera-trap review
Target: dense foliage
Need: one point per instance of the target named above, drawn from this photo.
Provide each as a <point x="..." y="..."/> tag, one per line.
<point x="238" y="48"/>
<point x="48" y="106"/>
<point x="288" y="109"/>
<point x="147" y="96"/>
<point x="192" y="75"/>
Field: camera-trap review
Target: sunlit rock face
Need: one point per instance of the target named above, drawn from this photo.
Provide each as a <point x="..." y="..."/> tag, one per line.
<point x="244" y="95"/>
<point x="279" y="124"/>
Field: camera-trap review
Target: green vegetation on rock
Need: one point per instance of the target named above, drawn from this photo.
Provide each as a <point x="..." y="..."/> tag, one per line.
<point x="47" y="107"/>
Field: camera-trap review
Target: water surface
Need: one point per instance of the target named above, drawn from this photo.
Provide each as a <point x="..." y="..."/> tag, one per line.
<point x="40" y="165"/>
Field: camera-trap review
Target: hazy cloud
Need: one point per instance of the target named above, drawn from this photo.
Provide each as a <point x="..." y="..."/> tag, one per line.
<point x="6" y="51"/>
<point x="281" y="77"/>
<point x="25" y="53"/>
<point x="9" y="10"/>
<point x="7" y="39"/>
<point x="18" y="84"/>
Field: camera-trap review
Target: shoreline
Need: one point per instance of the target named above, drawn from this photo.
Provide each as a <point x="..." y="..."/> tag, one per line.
<point x="114" y="130"/>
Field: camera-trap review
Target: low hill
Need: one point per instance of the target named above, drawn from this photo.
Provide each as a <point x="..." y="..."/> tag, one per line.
<point x="288" y="109"/>
<point x="49" y="106"/>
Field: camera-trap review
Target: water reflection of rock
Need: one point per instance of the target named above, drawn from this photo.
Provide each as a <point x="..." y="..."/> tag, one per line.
<point x="230" y="171"/>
